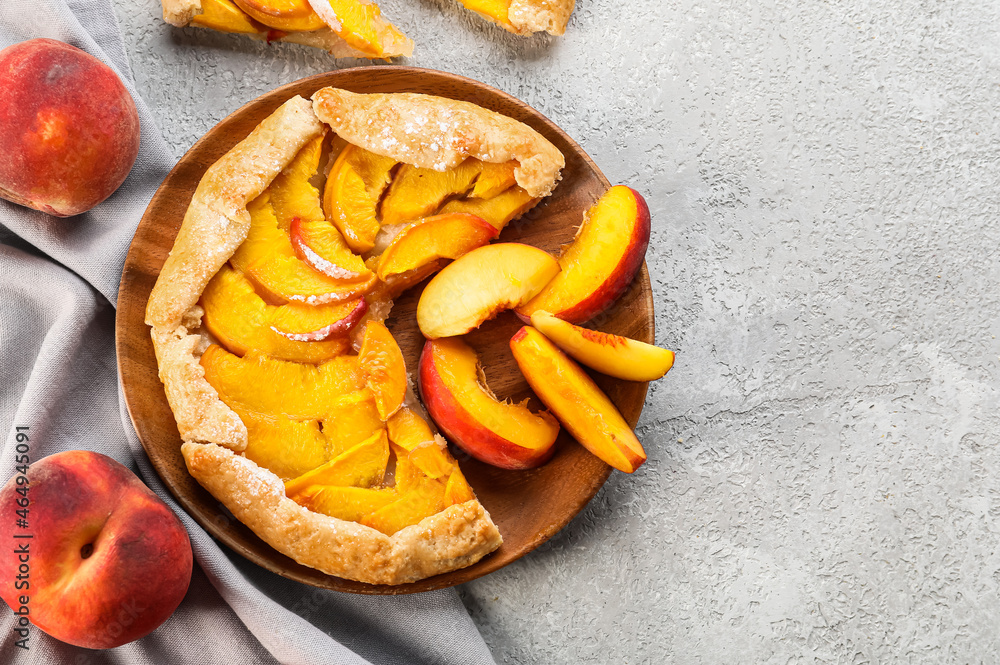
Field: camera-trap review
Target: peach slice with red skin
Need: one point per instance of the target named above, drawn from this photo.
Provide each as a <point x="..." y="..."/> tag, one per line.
<point x="242" y="321"/>
<point x="431" y="239"/>
<point x="360" y="24"/>
<point x="480" y="284"/>
<point x="347" y="503"/>
<point x="267" y="258"/>
<point x="321" y="246"/>
<point x="382" y="365"/>
<point x="575" y="399"/>
<point x="306" y="323"/>
<point x="258" y="383"/>
<point x="289" y="15"/>
<point x="455" y="393"/>
<point x="616" y="356"/>
<point x="602" y="260"/>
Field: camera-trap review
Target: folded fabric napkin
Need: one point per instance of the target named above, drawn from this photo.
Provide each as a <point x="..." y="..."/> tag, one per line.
<point x="58" y="285"/>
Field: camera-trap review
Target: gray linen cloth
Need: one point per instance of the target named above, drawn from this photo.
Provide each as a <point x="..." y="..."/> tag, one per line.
<point x="58" y="377"/>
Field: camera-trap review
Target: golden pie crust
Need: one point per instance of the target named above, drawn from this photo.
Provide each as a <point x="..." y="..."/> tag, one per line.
<point x="217" y="222"/>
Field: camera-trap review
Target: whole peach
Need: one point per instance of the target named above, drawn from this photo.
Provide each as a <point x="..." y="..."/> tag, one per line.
<point x="94" y="558"/>
<point x="69" y="131"/>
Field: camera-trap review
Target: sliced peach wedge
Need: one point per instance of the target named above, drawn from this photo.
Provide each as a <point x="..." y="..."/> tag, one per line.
<point x="492" y="10"/>
<point x="321" y="246"/>
<point x="289" y="15"/>
<point x="261" y="384"/>
<point x="494" y="178"/>
<point x="417" y="192"/>
<point x="308" y="323"/>
<point x="383" y="367"/>
<point x="455" y="393"/>
<point x="599" y="264"/>
<point x="266" y="257"/>
<point x="224" y="16"/>
<point x="298" y="212"/>
<point x="431" y="241"/>
<point x="286" y="447"/>
<point x="407" y="510"/>
<point x="410" y="432"/>
<point x="240" y="320"/>
<point x="291" y="192"/>
<point x="354" y="187"/>
<point x="577" y="402"/>
<point x="347" y="503"/>
<point x="362" y="465"/>
<point x="480" y="284"/>
<point x="360" y="24"/>
<point x="616" y="356"/>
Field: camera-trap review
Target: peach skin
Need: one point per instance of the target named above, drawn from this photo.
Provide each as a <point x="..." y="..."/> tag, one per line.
<point x="601" y="261"/>
<point x="575" y="399"/>
<point x="308" y="323"/>
<point x="455" y="393"/>
<point x="477" y="286"/>
<point x="240" y="320"/>
<point x="616" y="356"/>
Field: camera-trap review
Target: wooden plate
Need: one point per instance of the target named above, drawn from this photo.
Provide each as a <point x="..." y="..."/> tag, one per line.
<point x="527" y="506"/>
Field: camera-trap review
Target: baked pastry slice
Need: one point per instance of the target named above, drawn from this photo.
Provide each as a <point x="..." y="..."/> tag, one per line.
<point x="290" y="395"/>
<point x="350" y="28"/>
<point x="345" y="28"/>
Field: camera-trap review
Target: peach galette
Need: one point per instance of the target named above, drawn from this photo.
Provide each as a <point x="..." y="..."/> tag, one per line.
<point x="290" y="394"/>
<point x="350" y="28"/>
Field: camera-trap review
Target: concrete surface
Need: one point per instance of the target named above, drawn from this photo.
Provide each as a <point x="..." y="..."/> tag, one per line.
<point x="823" y="179"/>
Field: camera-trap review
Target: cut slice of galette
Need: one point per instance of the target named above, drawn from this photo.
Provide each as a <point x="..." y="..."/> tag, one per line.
<point x="350" y="28"/>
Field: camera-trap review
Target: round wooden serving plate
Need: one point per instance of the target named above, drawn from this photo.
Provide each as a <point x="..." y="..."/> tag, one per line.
<point x="527" y="506"/>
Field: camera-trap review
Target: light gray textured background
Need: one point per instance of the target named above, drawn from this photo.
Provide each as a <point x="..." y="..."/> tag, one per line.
<point x="823" y="180"/>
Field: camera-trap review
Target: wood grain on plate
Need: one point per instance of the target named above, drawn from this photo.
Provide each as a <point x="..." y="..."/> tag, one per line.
<point x="527" y="506"/>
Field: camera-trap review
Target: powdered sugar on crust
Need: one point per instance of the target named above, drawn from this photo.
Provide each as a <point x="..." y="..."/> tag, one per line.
<point x="438" y="133"/>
